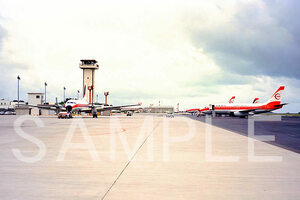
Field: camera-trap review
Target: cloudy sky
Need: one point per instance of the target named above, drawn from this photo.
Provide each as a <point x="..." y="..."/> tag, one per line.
<point x="191" y="52"/>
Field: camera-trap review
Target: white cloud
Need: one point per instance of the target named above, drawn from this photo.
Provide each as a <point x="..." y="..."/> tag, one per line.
<point x="143" y="48"/>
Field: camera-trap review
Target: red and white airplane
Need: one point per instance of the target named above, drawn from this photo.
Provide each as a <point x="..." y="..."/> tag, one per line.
<point x="196" y="110"/>
<point x="77" y="106"/>
<point x="243" y="110"/>
<point x="82" y="105"/>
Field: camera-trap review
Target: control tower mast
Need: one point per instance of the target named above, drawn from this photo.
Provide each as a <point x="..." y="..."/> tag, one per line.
<point x="88" y="68"/>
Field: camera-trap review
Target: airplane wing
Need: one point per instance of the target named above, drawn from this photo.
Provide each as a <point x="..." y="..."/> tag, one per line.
<point x="53" y="107"/>
<point x="100" y="108"/>
<point x="115" y="107"/>
<point x="193" y="110"/>
<point x="249" y="110"/>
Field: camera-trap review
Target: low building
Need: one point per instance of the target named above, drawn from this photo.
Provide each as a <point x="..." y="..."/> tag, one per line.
<point x="5" y="104"/>
<point x="159" y="109"/>
<point x="23" y="110"/>
<point x="15" y="103"/>
<point x="35" y="99"/>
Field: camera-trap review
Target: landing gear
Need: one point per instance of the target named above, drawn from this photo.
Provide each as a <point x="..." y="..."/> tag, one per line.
<point x="94" y="113"/>
<point x="129" y="114"/>
<point x="244" y="117"/>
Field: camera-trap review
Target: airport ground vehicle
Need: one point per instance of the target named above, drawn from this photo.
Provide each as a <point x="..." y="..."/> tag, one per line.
<point x="64" y="115"/>
<point x="129" y="113"/>
<point x="170" y="115"/>
<point x="9" y="113"/>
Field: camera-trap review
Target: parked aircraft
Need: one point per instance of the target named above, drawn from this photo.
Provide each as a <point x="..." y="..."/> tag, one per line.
<point x="78" y="106"/>
<point x="243" y="110"/>
<point x="196" y="110"/>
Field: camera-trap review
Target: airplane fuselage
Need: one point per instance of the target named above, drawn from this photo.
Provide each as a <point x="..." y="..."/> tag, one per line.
<point x="76" y="105"/>
<point x="241" y="109"/>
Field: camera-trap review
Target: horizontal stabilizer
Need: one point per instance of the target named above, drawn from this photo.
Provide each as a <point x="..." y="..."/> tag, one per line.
<point x="280" y="105"/>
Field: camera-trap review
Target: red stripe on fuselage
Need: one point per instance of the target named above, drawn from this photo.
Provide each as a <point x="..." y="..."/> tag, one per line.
<point x="194" y="109"/>
<point x="268" y="106"/>
<point x="80" y="105"/>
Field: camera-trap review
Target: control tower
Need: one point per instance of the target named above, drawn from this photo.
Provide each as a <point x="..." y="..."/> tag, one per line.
<point x="88" y="68"/>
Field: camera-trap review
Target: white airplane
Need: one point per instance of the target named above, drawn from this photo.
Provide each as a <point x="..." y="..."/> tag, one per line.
<point x="78" y="106"/>
<point x="82" y="105"/>
<point x="243" y="110"/>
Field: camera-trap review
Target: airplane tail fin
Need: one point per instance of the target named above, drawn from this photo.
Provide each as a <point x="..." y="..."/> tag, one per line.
<point x="232" y="99"/>
<point x="85" y="96"/>
<point x="84" y="91"/>
<point x="255" y="100"/>
<point x="277" y="95"/>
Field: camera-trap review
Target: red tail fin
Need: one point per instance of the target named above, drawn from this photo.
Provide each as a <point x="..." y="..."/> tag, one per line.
<point x="277" y="95"/>
<point x="255" y="100"/>
<point x="232" y="99"/>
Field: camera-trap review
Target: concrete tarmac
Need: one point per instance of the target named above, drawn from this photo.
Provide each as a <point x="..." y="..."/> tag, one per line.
<point x="286" y="131"/>
<point x="179" y="165"/>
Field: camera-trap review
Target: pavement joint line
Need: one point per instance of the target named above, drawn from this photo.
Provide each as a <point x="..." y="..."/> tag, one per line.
<point x="130" y="160"/>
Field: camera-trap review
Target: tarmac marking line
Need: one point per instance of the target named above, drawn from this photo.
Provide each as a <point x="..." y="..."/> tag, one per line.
<point x="127" y="164"/>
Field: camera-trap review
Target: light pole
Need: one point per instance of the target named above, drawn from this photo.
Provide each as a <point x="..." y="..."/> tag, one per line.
<point x="18" y="89"/>
<point x="45" y="92"/>
<point x="78" y="94"/>
<point x="64" y="94"/>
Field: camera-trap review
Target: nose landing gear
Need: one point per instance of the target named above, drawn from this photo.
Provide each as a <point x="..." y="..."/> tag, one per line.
<point x="94" y="113"/>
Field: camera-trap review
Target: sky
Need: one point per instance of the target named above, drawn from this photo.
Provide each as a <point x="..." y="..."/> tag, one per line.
<point x="189" y="52"/>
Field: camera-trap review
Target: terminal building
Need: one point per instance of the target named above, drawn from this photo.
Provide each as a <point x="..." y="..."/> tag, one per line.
<point x="5" y="104"/>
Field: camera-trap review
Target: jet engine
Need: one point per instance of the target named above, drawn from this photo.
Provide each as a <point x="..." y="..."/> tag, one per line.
<point x="240" y="114"/>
